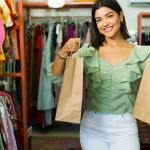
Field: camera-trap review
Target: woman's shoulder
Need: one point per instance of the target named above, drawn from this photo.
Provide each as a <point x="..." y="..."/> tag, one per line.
<point x="139" y="54"/>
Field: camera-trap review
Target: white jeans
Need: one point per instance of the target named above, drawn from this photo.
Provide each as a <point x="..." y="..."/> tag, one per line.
<point x="109" y="132"/>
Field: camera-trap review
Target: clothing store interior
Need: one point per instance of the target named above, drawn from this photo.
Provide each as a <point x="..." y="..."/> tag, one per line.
<point x="34" y="33"/>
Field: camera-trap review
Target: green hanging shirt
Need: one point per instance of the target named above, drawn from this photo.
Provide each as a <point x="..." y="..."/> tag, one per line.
<point x="111" y="90"/>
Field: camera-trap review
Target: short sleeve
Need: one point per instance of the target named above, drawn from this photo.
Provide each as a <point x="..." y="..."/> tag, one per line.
<point x="54" y="79"/>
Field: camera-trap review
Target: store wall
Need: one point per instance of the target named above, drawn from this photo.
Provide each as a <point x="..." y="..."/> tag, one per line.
<point x="131" y="13"/>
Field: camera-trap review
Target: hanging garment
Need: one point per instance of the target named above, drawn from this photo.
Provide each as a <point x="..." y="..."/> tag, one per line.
<point x="59" y="34"/>
<point x="39" y="55"/>
<point x="54" y="37"/>
<point x="45" y="96"/>
<point x="26" y="58"/>
<point x="6" y="47"/>
<point x="13" y="48"/>
<point x="10" y="108"/>
<point x="5" y="12"/>
<point x="15" y="27"/>
<point x="10" y="2"/>
<point x="34" y="74"/>
<point x="13" y="143"/>
<point x="2" y="57"/>
<point x="64" y="37"/>
<point x="70" y="32"/>
<point x="11" y="15"/>
<point x="76" y="31"/>
<point x="87" y="40"/>
<point x="2" y="146"/>
<point x="43" y="119"/>
<point x="4" y="124"/>
<point x="32" y="64"/>
<point x="80" y="32"/>
<point x="2" y="137"/>
<point x="57" y="87"/>
<point x="48" y="117"/>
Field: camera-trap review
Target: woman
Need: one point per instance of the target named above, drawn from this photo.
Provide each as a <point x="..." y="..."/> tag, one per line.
<point x="114" y="69"/>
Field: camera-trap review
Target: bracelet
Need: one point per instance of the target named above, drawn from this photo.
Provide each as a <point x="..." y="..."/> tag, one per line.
<point x="61" y="56"/>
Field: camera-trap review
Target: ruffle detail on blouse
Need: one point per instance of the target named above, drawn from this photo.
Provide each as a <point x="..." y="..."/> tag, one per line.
<point x="134" y="72"/>
<point x="54" y="79"/>
<point x="92" y="67"/>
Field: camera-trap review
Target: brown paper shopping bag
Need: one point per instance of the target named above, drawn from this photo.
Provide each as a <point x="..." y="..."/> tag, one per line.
<point x="142" y="105"/>
<point x="70" y="100"/>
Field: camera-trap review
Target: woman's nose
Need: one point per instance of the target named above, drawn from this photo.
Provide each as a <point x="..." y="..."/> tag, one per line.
<point x="105" y="23"/>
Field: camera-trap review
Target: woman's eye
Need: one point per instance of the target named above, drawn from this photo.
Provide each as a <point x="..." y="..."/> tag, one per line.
<point x="98" y="20"/>
<point x="110" y="16"/>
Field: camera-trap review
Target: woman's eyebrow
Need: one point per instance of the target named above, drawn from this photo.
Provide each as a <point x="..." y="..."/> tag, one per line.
<point x="105" y="15"/>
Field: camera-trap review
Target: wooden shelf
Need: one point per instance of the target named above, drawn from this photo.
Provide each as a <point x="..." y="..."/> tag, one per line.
<point x="44" y="5"/>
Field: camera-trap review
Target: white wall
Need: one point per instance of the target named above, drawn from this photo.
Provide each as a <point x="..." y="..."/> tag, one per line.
<point x="131" y="13"/>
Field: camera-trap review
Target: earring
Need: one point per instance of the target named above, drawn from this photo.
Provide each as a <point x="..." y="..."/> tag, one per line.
<point x="122" y="21"/>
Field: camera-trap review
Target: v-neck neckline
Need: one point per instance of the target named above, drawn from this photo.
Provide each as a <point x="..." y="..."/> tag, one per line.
<point x="120" y="61"/>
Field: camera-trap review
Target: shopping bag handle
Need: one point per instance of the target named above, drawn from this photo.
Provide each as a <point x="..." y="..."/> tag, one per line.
<point x="78" y="48"/>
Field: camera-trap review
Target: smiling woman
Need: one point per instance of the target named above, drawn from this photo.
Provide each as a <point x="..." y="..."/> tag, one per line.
<point x="104" y="19"/>
<point x="114" y="68"/>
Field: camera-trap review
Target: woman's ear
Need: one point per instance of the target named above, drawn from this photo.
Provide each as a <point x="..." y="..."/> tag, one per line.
<point x="121" y="16"/>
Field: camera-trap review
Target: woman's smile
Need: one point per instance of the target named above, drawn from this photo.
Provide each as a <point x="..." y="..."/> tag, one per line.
<point x="108" y="29"/>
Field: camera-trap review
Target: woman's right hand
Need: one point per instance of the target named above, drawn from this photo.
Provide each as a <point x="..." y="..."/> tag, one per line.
<point x="72" y="45"/>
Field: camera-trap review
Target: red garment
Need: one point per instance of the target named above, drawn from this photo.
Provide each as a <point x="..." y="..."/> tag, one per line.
<point x="39" y="116"/>
<point x="19" y="136"/>
<point x="70" y="34"/>
<point x="14" y="102"/>
<point x="30" y="114"/>
<point x="39" y="52"/>
<point x="39" y="61"/>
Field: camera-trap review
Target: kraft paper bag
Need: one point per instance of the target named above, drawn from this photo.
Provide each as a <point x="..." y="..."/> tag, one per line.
<point x="142" y="105"/>
<point x="70" y="100"/>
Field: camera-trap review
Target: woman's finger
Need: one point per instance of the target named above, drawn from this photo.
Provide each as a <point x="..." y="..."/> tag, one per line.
<point x="75" y="44"/>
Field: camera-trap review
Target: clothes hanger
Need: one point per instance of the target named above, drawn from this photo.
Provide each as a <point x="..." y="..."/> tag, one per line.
<point x="29" y="23"/>
<point x="26" y="21"/>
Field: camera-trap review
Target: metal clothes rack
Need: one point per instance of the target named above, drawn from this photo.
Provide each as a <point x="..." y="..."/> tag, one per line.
<point x="141" y="15"/>
<point x="60" y="19"/>
<point x="33" y="5"/>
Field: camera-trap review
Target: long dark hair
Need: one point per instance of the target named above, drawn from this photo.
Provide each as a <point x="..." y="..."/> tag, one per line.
<point x="97" y="38"/>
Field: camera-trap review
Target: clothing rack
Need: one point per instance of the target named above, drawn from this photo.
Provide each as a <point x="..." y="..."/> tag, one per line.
<point x="141" y="15"/>
<point x="33" y="5"/>
<point x="61" y="18"/>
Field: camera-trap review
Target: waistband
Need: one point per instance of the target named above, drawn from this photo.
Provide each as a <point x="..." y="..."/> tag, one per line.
<point x="98" y="114"/>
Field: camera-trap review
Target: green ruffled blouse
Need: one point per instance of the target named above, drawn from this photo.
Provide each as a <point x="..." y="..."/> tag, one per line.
<point x="111" y="90"/>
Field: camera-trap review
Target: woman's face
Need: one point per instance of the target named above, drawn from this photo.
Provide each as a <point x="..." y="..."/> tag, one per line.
<point x="108" y="21"/>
